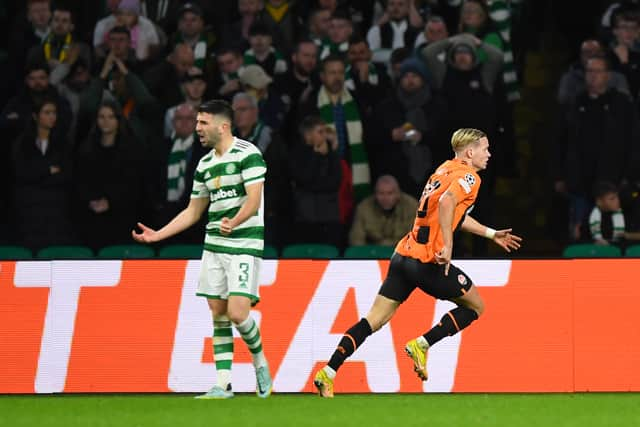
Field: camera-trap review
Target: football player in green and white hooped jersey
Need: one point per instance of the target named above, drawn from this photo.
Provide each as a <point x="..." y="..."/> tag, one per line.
<point x="229" y="181"/>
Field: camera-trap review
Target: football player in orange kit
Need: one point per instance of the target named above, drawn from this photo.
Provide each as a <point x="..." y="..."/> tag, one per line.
<point x="422" y="259"/>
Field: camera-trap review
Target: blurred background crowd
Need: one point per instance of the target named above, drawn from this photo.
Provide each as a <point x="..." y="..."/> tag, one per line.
<point x="352" y="104"/>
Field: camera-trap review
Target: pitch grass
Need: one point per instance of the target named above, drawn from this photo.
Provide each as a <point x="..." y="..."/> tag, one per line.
<point x="301" y="410"/>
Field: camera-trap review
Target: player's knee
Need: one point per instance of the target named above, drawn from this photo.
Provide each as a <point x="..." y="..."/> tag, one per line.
<point x="237" y="316"/>
<point x="478" y="308"/>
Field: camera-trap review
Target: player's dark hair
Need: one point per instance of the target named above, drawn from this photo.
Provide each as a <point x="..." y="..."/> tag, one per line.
<point x="217" y="107"/>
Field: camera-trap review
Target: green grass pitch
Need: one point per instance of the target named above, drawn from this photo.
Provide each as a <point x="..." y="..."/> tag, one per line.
<point x="301" y="410"/>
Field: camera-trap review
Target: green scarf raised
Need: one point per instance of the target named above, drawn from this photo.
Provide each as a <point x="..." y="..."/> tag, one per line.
<point x="359" y="161"/>
<point x="177" y="166"/>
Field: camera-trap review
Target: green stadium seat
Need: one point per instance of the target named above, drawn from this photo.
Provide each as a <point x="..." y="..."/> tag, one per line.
<point x="270" y="252"/>
<point x="633" y="251"/>
<point x="369" y="252"/>
<point x="126" y="252"/>
<point x="180" y="251"/>
<point x="310" y="250"/>
<point x="15" y="252"/>
<point x="65" y="252"/>
<point x="588" y="250"/>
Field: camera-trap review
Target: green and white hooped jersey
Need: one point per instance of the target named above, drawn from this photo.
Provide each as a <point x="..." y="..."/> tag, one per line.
<point x="223" y="180"/>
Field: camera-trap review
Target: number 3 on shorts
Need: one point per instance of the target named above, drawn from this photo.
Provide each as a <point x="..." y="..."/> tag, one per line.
<point x="243" y="277"/>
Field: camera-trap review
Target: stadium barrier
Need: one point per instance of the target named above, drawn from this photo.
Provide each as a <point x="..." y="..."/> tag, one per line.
<point x="137" y="326"/>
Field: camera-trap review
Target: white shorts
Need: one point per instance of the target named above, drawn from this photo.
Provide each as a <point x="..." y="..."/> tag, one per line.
<point x="223" y="274"/>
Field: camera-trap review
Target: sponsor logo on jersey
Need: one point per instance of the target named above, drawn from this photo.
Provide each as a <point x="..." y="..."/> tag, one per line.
<point x="223" y="194"/>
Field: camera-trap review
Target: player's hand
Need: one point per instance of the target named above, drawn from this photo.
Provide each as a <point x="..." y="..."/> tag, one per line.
<point x="225" y="226"/>
<point x="148" y="235"/>
<point x="444" y="257"/>
<point x="506" y="240"/>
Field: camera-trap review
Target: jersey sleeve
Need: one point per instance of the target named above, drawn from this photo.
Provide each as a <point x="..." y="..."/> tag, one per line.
<point x="253" y="168"/>
<point x="465" y="187"/>
<point x="199" y="189"/>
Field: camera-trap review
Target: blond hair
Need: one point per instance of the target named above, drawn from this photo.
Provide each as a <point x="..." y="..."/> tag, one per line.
<point x="465" y="136"/>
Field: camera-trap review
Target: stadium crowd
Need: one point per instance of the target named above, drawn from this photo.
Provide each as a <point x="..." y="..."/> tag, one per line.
<point x="352" y="104"/>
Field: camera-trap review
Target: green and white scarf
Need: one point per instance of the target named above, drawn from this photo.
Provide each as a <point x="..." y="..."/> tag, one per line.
<point x="359" y="160"/>
<point x="595" y="225"/>
<point x="280" y="64"/>
<point x="500" y="13"/>
<point x="328" y="47"/>
<point x="177" y="166"/>
<point x="199" y="50"/>
<point x="372" y="79"/>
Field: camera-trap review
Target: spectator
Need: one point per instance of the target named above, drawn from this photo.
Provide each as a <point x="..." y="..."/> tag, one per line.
<point x="41" y="176"/>
<point x="73" y="88"/>
<point x="194" y="87"/>
<point x="18" y="112"/>
<point x="139" y="106"/>
<point x="316" y="176"/>
<point x="282" y="16"/>
<point x="230" y="64"/>
<point x="597" y="140"/>
<point x="368" y="81"/>
<point x="319" y="22"/>
<point x="475" y="19"/>
<point x="164" y="80"/>
<point x="435" y="30"/>
<point x="407" y="124"/>
<point x="277" y="189"/>
<point x="399" y="27"/>
<point x="193" y="33"/>
<point x="606" y="220"/>
<point x="177" y="163"/>
<point x="119" y="44"/>
<point x="237" y="33"/>
<point x="467" y="85"/>
<point x="624" y="55"/>
<point x="143" y="36"/>
<point x="297" y="83"/>
<point x="397" y="58"/>
<point x="573" y="82"/>
<point x="59" y="48"/>
<point x="337" y="107"/>
<point x="21" y="40"/>
<point x="108" y="177"/>
<point x="262" y="51"/>
<point x="257" y="83"/>
<point x="383" y="218"/>
<point x="340" y="30"/>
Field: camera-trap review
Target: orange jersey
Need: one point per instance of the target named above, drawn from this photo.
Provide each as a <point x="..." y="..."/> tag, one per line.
<point x="425" y="238"/>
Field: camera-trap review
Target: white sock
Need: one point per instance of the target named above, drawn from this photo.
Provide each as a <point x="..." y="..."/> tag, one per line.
<point x="329" y="371"/>
<point x="422" y="342"/>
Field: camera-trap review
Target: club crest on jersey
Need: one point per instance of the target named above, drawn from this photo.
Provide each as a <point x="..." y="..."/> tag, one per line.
<point x="462" y="279"/>
<point x="230" y="168"/>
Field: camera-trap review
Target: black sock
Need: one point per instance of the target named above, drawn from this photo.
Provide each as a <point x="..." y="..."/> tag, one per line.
<point x="349" y="342"/>
<point x="450" y="324"/>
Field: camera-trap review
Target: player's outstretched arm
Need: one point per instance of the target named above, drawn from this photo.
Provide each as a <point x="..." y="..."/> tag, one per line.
<point x="185" y="219"/>
<point x="503" y="238"/>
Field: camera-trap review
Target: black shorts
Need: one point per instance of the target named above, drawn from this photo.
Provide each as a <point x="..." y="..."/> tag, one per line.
<point x="405" y="274"/>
